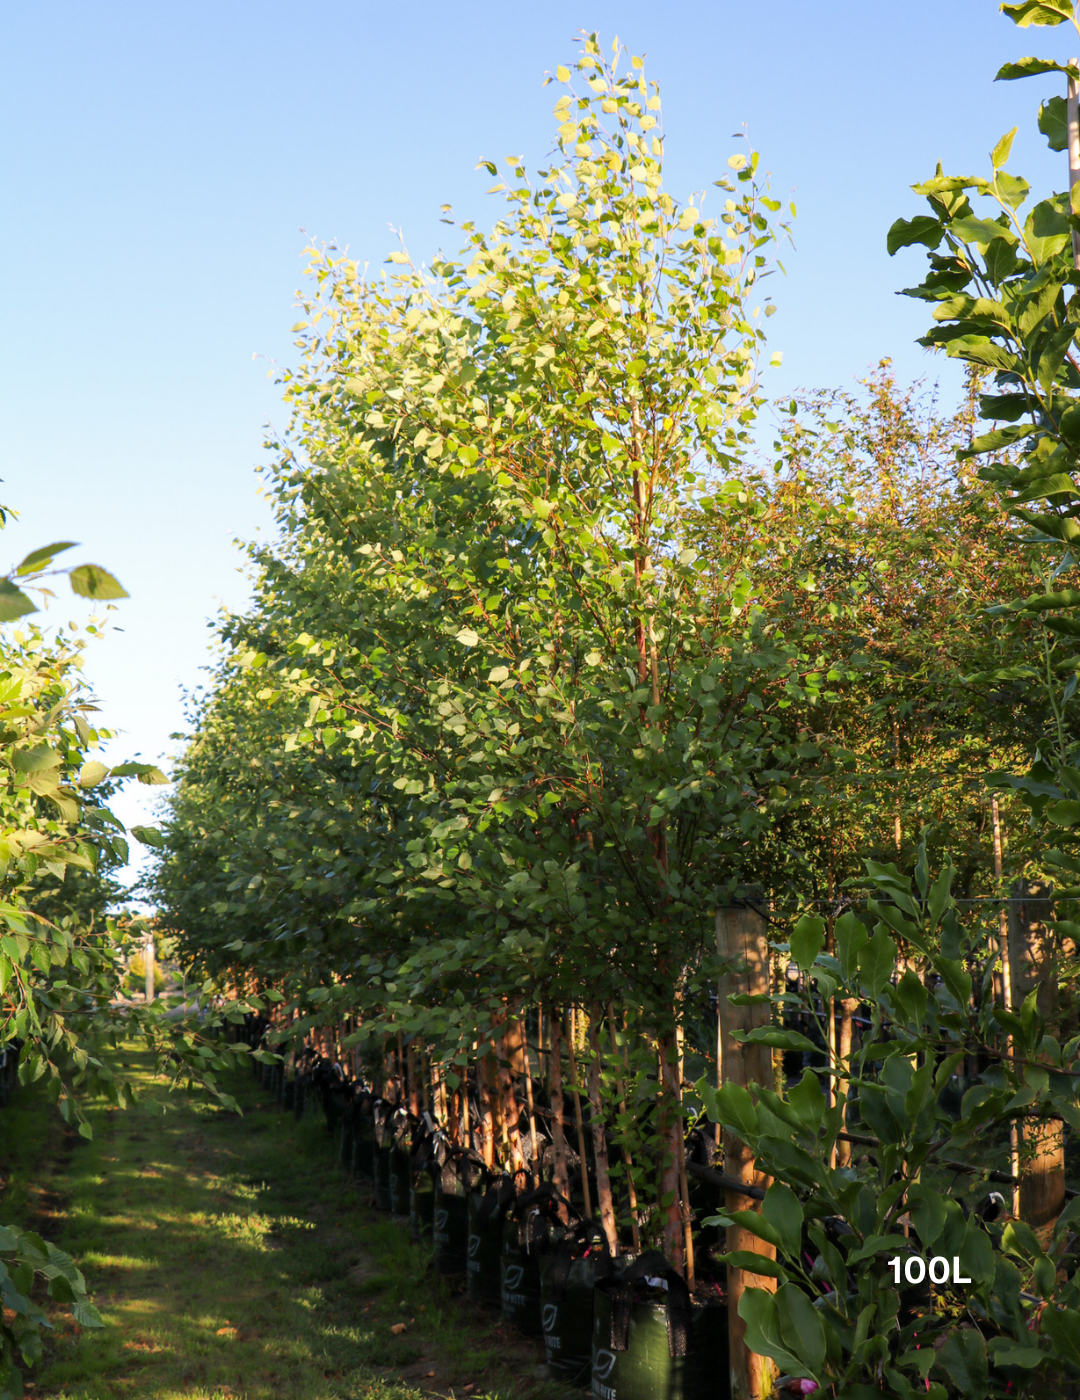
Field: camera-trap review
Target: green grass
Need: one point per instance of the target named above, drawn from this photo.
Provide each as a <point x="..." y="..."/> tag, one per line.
<point x="231" y="1260"/>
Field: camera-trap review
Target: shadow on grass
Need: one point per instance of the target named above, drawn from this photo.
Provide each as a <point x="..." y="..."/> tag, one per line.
<point x="232" y="1260"/>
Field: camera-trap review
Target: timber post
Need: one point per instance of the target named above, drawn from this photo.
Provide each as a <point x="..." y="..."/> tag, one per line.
<point x="742" y="941"/>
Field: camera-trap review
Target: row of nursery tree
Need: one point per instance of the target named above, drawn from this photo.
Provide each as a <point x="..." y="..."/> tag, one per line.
<point x="557" y="684"/>
<point x="552" y="663"/>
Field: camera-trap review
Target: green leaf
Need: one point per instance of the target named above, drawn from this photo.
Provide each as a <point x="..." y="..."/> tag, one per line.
<point x="963" y="1358"/>
<point x="981" y="232"/>
<point x="92" y="773"/>
<point x="808" y="1100"/>
<point x="467" y="637"/>
<point x="736" y="1110"/>
<point x="145" y="772"/>
<point x="1062" y="1327"/>
<point x="13" y="602"/>
<point x="1007" y="1353"/>
<point x="763" y="1335"/>
<point x="927" y="1210"/>
<point x="1030" y="68"/>
<point x="1053" y="123"/>
<point x="753" y="1263"/>
<point x="851" y="936"/>
<point x="921" y="229"/>
<point x="783" y="1211"/>
<point x="776" y="1037"/>
<point x="91" y="581"/>
<point x="149" y="836"/>
<point x="876" y="962"/>
<point x="1000" y="154"/>
<point x="801" y="1326"/>
<point x="38" y="559"/>
<point x="1038" y="13"/>
<point x="807" y="940"/>
<point x="36" y="760"/>
<point x="755" y="1223"/>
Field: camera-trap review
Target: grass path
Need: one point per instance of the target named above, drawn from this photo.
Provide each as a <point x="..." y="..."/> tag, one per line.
<point x="232" y="1261"/>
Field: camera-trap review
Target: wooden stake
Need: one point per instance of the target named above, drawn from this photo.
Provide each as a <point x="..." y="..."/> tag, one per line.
<point x="1033" y="955"/>
<point x="742" y="943"/>
<point x="148" y="964"/>
<point x="848" y="1007"/>
<point x="1072" y="114"/>
<point x="1006" y="984"/>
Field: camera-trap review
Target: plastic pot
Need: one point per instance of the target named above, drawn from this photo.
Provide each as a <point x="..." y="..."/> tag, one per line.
<point x="646" y="1369"/>
<point x="400" y="1183"/>
<point x="364" y="1152"/>
<point x="566" y="1315"/>
<point x="345" y="1143"/>
<point x="519" y="1282"/>
<point x="451" y="1233"/>
<point x="484" y="1284"/>
<point x="383" y="1161"/>
<point x="422" y="1209"/>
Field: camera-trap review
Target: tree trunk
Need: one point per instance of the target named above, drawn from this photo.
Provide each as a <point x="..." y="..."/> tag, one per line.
<point x="599" y="1137"/>
<point x="577" y="1112"/>
<point x="560" y="1175"/>
<point x="741" y="941"/>
<point x="486" y="1076"/>
<point x="414" y="1081"/>
<point x="670" y="1132"/>
<point x="628" y="1165"/>
<point x="511" y="1066"/>
<point x="1006" y="978"/>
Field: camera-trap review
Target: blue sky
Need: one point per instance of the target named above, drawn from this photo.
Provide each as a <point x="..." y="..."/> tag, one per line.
<point x="163" y="163"/>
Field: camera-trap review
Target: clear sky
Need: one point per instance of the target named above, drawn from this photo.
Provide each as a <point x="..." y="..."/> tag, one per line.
<point x="164" y="164"/>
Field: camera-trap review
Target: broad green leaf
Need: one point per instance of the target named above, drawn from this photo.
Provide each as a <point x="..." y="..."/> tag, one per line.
<point x="149" y="836"/>
<point x="752" y="1263"/>
<point x="1062" y="1327"/>
<point x="39" y="759"/>
<point x="876" y="961"/>
<point x="38" y="559"/>
<point x="776" y="1037"/>
<point x="1053" y="123"/>
<point x="801" y="1326"/>
<point x="807" y="940"/>
<point x="92" y="773"/>
<point x="921" y="229"/>
<point x="850" y="936"/>
<point x="91" y="581"/>
<point x="784" y="1213"/>
<point x="1030" y="68"/>
<point x="963" y="1359"/>
<point x="1000" y="154"/>
<point x="757" y="1308"/>
<point x="13" y="602"/>
<point x="1038" y="13"/>
<point x="736" y="1110"/>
